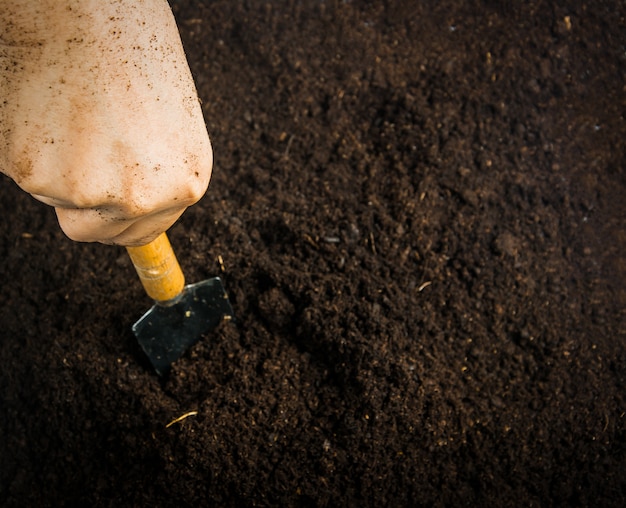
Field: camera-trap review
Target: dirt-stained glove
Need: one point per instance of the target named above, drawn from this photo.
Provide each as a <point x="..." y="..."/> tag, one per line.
<point x="99" y="115"/>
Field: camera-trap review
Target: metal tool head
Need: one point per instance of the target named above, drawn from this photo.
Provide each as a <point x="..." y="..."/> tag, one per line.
<point x="167" y="330"/>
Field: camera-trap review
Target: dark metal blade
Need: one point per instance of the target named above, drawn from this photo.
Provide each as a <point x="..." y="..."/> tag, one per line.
<point x="166" y="331"/>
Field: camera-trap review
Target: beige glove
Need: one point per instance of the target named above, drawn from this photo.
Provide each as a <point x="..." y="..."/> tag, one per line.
<point x="99" y="116"/>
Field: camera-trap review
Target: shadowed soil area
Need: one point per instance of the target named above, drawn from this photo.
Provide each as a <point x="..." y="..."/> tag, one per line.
<point x="418" y="211"/>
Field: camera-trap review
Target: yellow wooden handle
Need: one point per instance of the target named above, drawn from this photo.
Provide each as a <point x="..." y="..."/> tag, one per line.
<point x="158" y="269"/>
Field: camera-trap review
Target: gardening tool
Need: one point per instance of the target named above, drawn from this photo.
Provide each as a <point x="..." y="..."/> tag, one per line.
<point x="181" y="314"/>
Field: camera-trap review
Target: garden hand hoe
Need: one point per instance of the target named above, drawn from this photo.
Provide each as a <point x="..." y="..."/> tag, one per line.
<point x="181" y="314"/>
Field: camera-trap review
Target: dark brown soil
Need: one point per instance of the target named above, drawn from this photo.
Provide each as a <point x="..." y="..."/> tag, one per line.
<point x="418" y="210"/>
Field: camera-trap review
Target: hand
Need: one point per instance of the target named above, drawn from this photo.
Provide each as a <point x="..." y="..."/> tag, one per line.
<point x="99" y="116"/>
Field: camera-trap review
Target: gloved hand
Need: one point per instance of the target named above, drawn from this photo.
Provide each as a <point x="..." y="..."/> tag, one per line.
<point x="99" y="116"/>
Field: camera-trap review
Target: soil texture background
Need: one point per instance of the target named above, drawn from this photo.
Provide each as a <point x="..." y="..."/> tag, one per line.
<point x="418" y="210"/>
